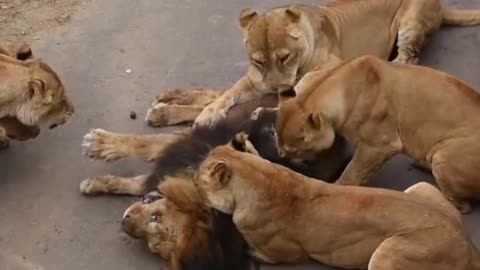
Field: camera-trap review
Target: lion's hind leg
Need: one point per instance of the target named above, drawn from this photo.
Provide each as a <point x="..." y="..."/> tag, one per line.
<point x="163" y="114"/>
<point x="109" y="184"/>
<point x="177" y="106"/>
<point x="434" y="195"/>
<point x="427" y="249"/>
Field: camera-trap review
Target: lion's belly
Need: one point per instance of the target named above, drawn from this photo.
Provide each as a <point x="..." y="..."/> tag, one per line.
<point x="367" y="43"/>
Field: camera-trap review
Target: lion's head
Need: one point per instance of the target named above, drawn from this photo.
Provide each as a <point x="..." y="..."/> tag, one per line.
<point x="300" y="133"/>
<point x="168" y="220"/>
<point x="43" y="98"/>
<point x="279" y="45"/>
<point x="46" y="100"/>
<point x="180" y="228"/>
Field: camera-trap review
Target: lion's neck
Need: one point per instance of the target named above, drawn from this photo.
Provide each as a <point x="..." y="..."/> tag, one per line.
<point x="13" y="105"/>
<point x="13" y="89"/>
<point x="258" y="183"/>
<point x="322" y="41"/>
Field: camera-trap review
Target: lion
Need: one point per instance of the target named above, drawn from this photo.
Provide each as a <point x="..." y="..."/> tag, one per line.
<point x="175" y="223"/>
<point x="286" y="42"/>
<point x="31" y="93"/>
<point x="385" y="109"/>
<point x="286" y="217"/>
<point x="10" y="127"/>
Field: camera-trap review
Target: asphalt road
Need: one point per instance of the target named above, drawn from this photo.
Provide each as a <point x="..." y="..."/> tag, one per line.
<point x="45" y="223"/>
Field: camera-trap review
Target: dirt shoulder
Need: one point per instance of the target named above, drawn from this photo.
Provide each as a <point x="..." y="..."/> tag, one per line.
<point x="24" y="20"/>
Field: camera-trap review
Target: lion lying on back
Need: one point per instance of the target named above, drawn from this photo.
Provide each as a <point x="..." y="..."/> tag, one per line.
<point x="31" y="93"/>
<point x="384" y="109"/>
<point x="176" y="224"/>
<point x="287" y="217"/>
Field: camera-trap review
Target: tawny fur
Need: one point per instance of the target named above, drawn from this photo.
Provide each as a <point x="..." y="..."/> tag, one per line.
<point x="178" y="227"/>
<point x="385" y="109"/>
<point x="287" y="42"/>
<point x="289" y="218"/>
<point x="213" y="241"/>
<point x="31" y="93"/>
<point x="177" y="106"/>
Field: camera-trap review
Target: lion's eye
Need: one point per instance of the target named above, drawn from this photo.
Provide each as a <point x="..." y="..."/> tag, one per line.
<point x="284" y="58"/>
<point x="257" y="63"/>
<point x="155" y="217"/>
<point x="150" y="197"/>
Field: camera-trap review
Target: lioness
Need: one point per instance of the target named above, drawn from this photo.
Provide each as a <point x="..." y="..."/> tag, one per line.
<point x="287" y="42"/>
<point x="384" y="109"/>
<point x="30" y="93"/>
<point x="176" y="224"/>
<point x="10" y="127"/>
<point x="289" y="218"/>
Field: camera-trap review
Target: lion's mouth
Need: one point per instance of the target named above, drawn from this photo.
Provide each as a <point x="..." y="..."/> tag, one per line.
<point x="52" y="126"/>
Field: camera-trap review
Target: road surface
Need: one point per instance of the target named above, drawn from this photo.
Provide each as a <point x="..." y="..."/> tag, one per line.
<point x="45" y="223"/>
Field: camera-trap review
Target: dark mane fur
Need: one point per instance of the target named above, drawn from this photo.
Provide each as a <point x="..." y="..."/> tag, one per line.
<point x="194" y="147"/>
<point x="230" y="248"/>
<point x="191" y="150"/>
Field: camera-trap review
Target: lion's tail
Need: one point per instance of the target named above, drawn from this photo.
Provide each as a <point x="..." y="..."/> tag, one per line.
<point x="461" y="17"/>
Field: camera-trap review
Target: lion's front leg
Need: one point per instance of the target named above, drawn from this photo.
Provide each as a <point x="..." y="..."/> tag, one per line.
<point x="260" y="257"/>
<point x="365" y="162"/>
<point x="109" y="146"/>
<point x="197" y="97"/>
<point x="3" y="139"/>
<point x="243" y="91"/>
<point x="109" y="184"/>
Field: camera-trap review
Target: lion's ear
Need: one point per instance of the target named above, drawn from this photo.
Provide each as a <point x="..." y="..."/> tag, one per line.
<point x="220" y="173"/>
<point x="239" y="142"/>
<point x="315" y="120"/>
<point x="36" y="87"/>
<point x="294" y="13"/>
<point x="24" y="52"/>
<point x="247" y="17"/>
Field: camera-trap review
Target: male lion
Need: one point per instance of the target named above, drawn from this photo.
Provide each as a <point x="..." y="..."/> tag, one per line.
<point x="176" y="224"/>
<point x="384" y="109"/>
<point x="287" y="42"/>
<point x="30" y="93"/>
<point x="287" y="217"/>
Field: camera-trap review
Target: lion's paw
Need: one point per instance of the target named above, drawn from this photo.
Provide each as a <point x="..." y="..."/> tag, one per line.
<point x="96" y="185"/>
<point x="87" y="187"/>
<point x="157" y="116"/>
<point x="209" y="117"/>
<point x="101" y="144"/>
